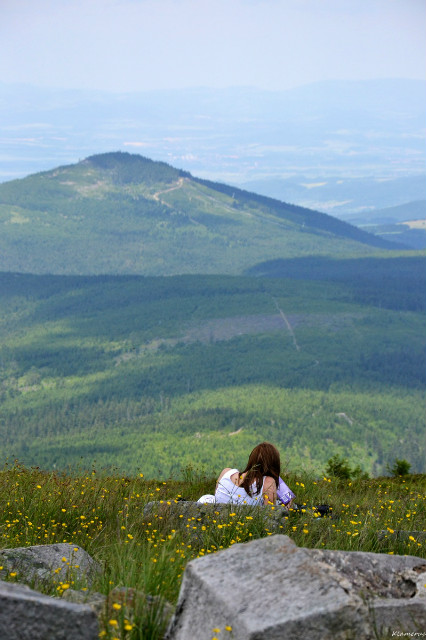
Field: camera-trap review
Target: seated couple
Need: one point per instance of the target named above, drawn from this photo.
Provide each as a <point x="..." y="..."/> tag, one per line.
<point x="258" y="484"/>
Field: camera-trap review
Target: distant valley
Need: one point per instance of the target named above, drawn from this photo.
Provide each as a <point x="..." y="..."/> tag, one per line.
<point x="378" y="205"/>
<point x="365" y="129"/>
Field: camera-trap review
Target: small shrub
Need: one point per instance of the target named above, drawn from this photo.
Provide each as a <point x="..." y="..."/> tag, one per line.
<point x="338" y="467"/>
<point x="399" y="468"/>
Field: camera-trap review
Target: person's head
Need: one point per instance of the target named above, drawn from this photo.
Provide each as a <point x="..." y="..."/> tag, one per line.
<point x="264" y="460"/>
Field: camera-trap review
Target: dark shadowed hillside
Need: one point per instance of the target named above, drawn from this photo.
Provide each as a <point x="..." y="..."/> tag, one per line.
<point x="157" y="373"/>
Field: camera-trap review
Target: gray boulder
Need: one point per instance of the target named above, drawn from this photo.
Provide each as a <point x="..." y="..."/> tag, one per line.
<point x="269" y="589"/>
<point x="96" y="601"/>
<point x="28" y="615"/>
<point x="44" y="564"/>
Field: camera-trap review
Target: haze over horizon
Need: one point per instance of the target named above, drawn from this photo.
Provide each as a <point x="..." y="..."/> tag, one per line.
<point x="253" y="90"/>
<point x="138" y="45"/>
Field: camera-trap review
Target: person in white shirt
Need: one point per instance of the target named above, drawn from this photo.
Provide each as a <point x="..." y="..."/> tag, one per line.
<point x="258" y="484"/>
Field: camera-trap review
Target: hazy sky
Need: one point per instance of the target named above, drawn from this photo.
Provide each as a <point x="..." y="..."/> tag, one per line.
<point x="135" y="45"/>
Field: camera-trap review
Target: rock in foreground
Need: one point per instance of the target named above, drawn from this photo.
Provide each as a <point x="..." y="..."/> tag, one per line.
<point x="44" y="564"/>
<point x="269" y="589"/>
<point x="28" y="615"/>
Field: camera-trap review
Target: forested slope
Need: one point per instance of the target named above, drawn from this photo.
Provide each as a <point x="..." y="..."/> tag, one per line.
<point x="119" y="213"/>
<point x="160" y="372"/>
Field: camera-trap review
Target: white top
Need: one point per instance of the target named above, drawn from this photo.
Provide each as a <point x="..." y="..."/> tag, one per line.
<point x="227" y="491"/>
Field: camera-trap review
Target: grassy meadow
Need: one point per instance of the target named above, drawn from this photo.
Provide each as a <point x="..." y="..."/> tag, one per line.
<point x="104" y="515"/>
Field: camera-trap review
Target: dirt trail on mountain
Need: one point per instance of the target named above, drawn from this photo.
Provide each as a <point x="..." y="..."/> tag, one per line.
<point x="178" y="185"/>
<point x="287" y="323"/>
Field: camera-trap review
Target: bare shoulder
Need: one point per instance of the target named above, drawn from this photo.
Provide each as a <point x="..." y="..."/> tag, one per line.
<point x="269" y="490"/>
<point x="269" y="483"/>
<point x="222" y="473"/>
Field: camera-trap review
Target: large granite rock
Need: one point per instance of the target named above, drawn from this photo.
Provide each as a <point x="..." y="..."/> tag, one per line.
<point x="44" y="564"/>
<point x="28" y="615"/>
<point x="269" y="589"/>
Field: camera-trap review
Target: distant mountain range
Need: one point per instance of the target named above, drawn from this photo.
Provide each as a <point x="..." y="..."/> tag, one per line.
<point x="360" y="201"/>
<point x="392" y="215"/>
<point x="118" y="213"/>
<point x="341" y="147"/>
<point x="348" y="198"/>
<point x="342" y="129"/>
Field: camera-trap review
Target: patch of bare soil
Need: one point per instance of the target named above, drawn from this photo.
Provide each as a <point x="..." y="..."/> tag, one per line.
<point x="221" y="329"/>
<point x="227" y="328"/>
<point x="90" y="188"/>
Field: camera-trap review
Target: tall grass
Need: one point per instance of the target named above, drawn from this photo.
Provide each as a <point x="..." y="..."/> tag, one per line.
<point x="104" y="515"/>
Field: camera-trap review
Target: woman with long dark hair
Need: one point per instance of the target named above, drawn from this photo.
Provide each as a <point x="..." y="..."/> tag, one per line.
<point x="259" y="483"/>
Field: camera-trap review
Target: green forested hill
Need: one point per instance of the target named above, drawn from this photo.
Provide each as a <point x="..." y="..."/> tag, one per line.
<point x="119" y="360"/>
<point x="119" y="213"/>
<point x="156" y="373"/>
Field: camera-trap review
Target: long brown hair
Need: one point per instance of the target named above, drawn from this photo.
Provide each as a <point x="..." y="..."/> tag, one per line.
<point x="264" y="460"/>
